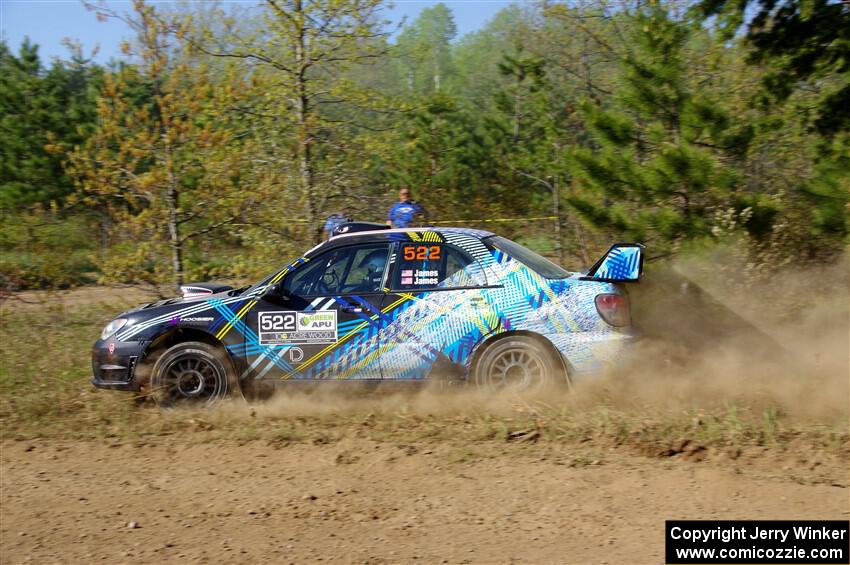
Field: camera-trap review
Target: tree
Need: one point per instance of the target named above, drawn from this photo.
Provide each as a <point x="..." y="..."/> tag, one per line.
<point x="661" y="161"/>
<point x="532" y="129"/>
<point x="802" y="41"/>
<point x="805" y="47"/>
<point x="42" y="113"/>
<point x="476" y="57"/>
<point x="162" y="164"/>
<point x="303" y="54"/>
<point x="424" y="49"/>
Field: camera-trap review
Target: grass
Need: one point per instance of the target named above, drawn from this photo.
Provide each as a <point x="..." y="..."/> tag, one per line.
<point x="45" y="370"/>
<point x="45" y="393"/>
<point x="42" y="250"/>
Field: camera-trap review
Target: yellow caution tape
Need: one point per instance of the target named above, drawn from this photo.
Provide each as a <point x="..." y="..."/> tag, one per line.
<point x="496" y="220"/>
<point x="445" y="222"/>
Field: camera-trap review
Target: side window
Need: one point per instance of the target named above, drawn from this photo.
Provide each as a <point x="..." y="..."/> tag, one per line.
<point x="366" y="272"/>
<point x="341" y="271"/>
<point x="423" y="266"/>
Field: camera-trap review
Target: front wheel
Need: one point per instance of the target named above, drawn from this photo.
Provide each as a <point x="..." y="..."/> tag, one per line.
<point x="192" y="373"/>
<point x="517" y="363"/>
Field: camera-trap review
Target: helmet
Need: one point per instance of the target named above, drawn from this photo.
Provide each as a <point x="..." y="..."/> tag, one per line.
<point x="374" y="261"/>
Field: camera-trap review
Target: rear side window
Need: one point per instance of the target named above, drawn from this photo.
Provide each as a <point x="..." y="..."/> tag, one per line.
<point x="422" y="266"/>
<point x="542" y="266"/>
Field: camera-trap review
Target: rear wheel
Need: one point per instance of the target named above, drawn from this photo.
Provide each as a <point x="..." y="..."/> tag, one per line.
<point x="517" y="363"/>
<point x="192" y="373"/>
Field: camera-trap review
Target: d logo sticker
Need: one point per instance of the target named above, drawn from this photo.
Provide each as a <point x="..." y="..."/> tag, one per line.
<point x="296" y="354"/>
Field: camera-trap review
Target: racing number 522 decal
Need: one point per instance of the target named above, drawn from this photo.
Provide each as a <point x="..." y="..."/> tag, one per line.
<point x="421" y="252"/>
<point x="288" y="328"/>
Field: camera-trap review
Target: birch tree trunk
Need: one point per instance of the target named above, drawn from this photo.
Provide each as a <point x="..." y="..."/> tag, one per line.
<point x="172" y="197"/>
<point x="303" y="111"/>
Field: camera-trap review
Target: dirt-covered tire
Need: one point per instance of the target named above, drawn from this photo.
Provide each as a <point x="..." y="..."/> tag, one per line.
<point x="518" y="364"/>
<point x="192" y="373"/>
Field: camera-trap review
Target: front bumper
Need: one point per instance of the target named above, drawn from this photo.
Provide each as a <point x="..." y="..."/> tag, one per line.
<point x="115" y="369"/>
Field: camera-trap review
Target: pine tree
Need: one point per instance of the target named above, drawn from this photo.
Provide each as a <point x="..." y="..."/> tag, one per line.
<point x="660" y="164"/>
<point x="42" y="113"/>
<point x="805" y="47"/>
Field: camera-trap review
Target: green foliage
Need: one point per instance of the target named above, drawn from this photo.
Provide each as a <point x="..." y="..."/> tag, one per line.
<point x="160" y="170"/>
<point x="43" y="112"/>
<point x="803" y="42"/>
<point x="228" y="135"/>
<point x="423" y="50"/>
<point x="308" y="110"/>
<point x="658" y="167"/>
<point x="828" y="191"/>
<point x="805" y="47"/>
<point x="46" y="250"/>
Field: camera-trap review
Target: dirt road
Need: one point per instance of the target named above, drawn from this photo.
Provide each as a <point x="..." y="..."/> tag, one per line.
<point x="357" y="501"/>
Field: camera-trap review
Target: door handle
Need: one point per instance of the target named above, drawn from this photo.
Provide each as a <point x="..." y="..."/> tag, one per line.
<point x="350" y="310"/>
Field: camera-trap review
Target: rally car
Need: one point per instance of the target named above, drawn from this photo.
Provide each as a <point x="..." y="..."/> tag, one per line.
<point x="374" y="304"/>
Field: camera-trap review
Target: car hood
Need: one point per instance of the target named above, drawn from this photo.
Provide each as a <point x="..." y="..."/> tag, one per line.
<point x="160" y="307"/>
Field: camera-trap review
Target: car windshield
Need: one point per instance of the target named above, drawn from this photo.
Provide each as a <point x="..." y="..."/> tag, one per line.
<point x="542" y="266"/>
<point x="265" y="280"/>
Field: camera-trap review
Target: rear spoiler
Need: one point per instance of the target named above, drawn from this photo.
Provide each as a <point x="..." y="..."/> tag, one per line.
<point x="622" y="263"/>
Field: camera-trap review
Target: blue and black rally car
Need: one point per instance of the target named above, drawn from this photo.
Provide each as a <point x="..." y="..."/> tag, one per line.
<point x="376" y="304"/>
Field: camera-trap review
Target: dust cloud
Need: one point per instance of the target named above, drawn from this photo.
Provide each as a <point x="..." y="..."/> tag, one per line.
<point x="715" y="337"/>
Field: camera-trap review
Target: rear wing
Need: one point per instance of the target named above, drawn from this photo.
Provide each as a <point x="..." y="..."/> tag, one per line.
<point x="622" y="263"/>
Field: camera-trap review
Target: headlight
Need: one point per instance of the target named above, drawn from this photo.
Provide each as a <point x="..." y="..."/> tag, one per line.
<point x="113" y="327"/>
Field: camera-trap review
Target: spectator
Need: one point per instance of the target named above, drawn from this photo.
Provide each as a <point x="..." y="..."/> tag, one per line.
<point x="404" y="212"/>
<point x="333" y="221"/>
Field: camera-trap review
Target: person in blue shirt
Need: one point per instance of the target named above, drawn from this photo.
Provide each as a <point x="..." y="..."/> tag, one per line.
<point x="333" y="221"/>
<point x="403" y="213"/>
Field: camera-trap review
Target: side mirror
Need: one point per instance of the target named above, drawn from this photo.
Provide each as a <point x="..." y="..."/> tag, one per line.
<point x="277" y="292"/>
<point x="284" y="294"/>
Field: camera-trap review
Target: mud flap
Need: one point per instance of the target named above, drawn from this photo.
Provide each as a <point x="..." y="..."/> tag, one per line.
<point x="445" y="372"/>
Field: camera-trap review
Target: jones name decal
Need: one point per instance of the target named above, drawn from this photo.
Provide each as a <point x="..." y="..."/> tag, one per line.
<point x="286" y="328"/>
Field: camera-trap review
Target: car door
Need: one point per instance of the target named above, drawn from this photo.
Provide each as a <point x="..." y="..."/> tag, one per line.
<point x="437" y="311"/>
<point x="324" y="321"/>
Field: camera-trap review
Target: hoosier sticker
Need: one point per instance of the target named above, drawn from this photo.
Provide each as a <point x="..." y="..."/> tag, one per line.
<point x="287" y="328"/>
